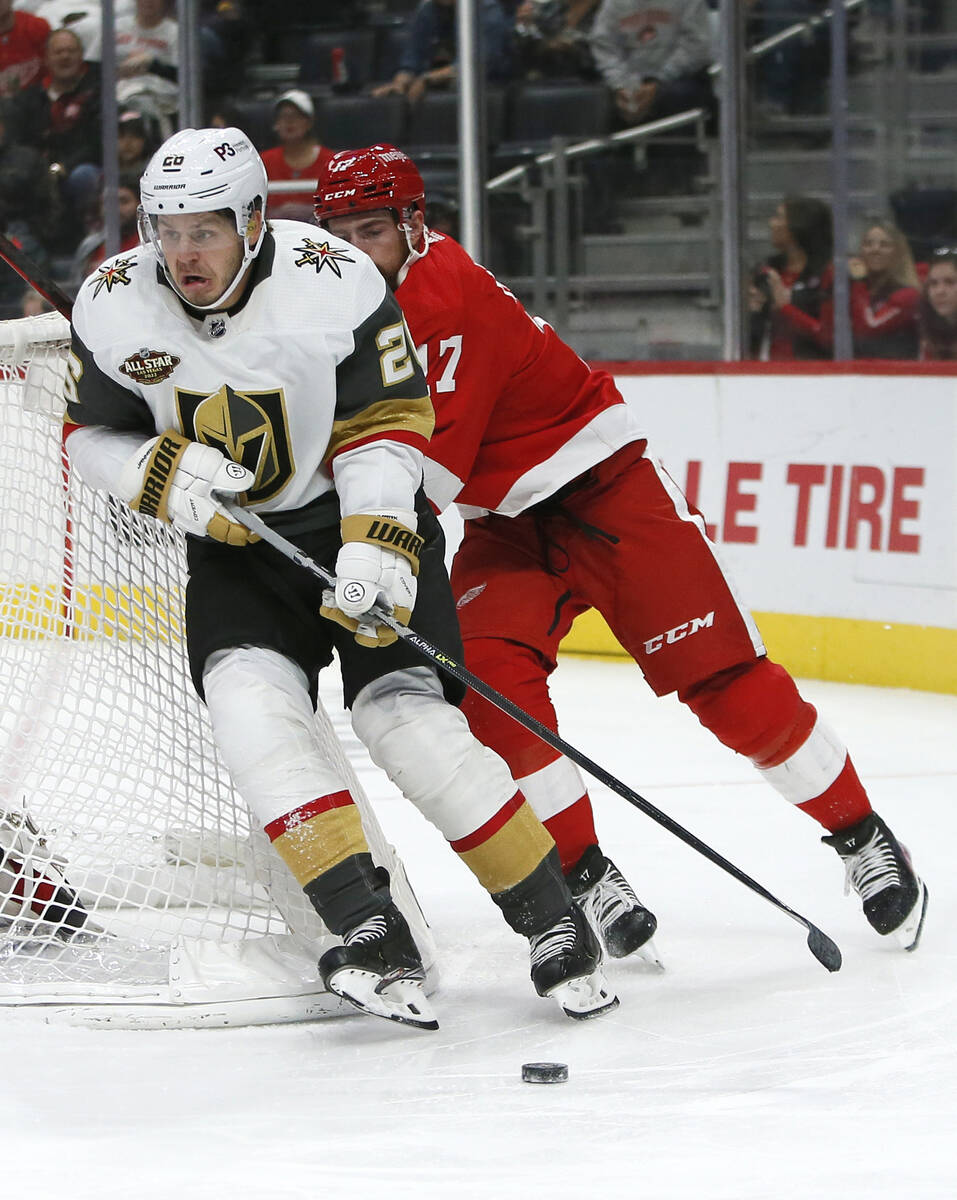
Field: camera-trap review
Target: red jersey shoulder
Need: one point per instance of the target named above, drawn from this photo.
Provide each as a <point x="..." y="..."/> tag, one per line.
<point x="433" y="289"/>
<point x="447" y="287"/>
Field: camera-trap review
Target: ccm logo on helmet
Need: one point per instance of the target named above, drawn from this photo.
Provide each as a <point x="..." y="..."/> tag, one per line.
<point x="340" y="195"/>
<point x="685" y="629"/>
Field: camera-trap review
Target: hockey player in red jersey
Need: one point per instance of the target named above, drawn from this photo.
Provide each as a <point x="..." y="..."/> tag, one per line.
<point x="566" y="508"/>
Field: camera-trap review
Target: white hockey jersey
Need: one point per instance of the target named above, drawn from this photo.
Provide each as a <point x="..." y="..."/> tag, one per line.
<point x="314" y="363"/>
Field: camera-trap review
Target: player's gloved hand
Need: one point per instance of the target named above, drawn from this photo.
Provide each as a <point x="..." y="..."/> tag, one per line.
<point x="377" y="564"/>
<point x="176" y="480"/>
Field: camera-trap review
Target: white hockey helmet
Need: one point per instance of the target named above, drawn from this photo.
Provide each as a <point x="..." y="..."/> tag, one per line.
<point x="199" y="171"/>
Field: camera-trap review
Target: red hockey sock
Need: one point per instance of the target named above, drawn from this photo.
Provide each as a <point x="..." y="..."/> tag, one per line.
<point x="754" y="709"/>
<point x="757" y="710"/>
<point x="573" y="830"/>
<point x="843" y="804"/>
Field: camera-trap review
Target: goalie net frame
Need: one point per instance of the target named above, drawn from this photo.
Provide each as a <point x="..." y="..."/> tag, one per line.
<point x="111" y="789"/>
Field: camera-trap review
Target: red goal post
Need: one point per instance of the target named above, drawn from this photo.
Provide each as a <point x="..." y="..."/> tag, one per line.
<point x="134" y="889"/>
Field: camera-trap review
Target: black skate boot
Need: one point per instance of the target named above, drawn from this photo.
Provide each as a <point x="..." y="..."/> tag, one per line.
<point x="616" y="914"/>
<point x="34" y="892"/>
<point x="566" y="964"/>
<point x="379" y="970"/>
<point x="879" y="869"/>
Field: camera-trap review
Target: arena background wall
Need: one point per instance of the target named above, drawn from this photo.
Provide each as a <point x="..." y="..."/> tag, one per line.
<point x="830" y="493"/>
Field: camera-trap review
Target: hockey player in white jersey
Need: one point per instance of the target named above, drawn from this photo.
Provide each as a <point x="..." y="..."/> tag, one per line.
<point x="228" y="357"/>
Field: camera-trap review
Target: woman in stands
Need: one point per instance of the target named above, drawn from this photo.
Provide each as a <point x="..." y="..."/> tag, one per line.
<point x="790" y="293"/>
<point x="885" y="294"/>
<point x="937" y="312"/>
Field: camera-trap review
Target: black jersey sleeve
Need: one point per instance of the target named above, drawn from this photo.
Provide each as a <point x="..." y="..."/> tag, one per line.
<point x="381" y="391"/>
<point x="93" y="398"/>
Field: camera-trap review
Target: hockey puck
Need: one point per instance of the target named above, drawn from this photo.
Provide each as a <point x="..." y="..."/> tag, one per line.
<point x="544" y="1072"/>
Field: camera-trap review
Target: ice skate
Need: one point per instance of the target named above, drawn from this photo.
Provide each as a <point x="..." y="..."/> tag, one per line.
<point x="380" y="971"/>
<point x="33" y="888"/>
<point x="618" y="917"/>
<point x="879" y="869"/>
<point x="566" y="965"/>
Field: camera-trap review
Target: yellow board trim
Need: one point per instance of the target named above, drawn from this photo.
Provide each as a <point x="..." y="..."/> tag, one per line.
<point x="847" y="650"/>
<point x="31" y="611"/>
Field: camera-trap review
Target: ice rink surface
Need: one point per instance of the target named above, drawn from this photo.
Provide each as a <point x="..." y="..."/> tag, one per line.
<point x="743" y="1070"/>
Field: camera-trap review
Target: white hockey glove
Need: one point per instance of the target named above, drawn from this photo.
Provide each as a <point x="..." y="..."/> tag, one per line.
<point x="173" y="479"/>
<point x="377" y="564"/>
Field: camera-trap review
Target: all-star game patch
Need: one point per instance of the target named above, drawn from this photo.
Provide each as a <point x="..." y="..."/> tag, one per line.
<point x="149" y="366"/>
<point x="321" y="254"/>
<point x="109" y="275"/>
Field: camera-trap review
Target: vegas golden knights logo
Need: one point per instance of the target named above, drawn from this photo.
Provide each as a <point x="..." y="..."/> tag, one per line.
<point x="248" y="427"/>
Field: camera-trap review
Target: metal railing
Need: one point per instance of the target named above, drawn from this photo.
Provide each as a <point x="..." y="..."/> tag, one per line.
<point x="547" y="173"/>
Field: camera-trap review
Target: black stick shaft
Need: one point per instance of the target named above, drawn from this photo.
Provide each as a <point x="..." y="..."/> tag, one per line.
<point x="28" y="271"/>
<point x="819" y="943"/>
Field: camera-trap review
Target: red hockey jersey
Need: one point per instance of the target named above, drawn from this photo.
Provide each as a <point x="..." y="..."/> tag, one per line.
<point x="518" y="413"/>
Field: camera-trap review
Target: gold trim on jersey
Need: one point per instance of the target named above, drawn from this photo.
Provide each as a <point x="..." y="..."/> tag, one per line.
<point x="412" y="415"/>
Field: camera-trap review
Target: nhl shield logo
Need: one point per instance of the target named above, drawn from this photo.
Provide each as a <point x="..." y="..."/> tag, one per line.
<point x="149" y="366"/>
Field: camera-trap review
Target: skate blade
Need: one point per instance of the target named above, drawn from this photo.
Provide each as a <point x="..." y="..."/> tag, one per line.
<point x="909" y="931"/>
<point x="648" y="953"/>
<point x="396" y="997"/>
<point x="586" y="997"/>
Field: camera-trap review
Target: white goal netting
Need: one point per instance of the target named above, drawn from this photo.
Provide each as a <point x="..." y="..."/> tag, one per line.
<point x="133" y="888"/>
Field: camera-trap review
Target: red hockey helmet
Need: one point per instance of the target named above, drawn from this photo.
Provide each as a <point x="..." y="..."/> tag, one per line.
<point x="354" y="181"/>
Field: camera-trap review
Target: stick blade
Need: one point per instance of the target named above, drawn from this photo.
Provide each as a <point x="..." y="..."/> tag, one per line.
<point x="825" y="950"/>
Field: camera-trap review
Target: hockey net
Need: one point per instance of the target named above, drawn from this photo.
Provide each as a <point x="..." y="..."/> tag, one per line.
<point x="134" y="889"/>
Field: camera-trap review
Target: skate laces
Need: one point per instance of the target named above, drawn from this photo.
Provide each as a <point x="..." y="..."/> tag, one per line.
<point x="872" y="869"/>
<point x="609" y="898"/>
<point x="554" y="942"/>
<point x="373" y="930"/>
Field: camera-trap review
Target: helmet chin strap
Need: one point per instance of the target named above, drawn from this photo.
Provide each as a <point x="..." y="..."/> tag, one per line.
<point x="249" y="253"/>
<point x="414" y="255"/>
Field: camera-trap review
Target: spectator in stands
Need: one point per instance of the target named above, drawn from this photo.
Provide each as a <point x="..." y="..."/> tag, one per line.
<point x="430" y="52"/>
<point x="654" y="59"/>
<point x="27" y="191"/>
<point x="147" y="55"/>
<point x="32" y="304"/>
<point x="60" y="117"/>
<point x="85" y="18"/>
<point x="299" y="155"/>
<point x="225" y="39"/>
<point x="790" y="294"/>
<point x="551" y="38"/>
<point x="92" y="250"/>
<point x="884" y="294"/>
<point x="938" y="308"/>
<point x="791" y="77"/>
<point x="134" y="143"/>
<point x="23" y="38"/>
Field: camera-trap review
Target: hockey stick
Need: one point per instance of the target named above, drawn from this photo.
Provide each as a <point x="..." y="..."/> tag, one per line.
<point x="820" y="945"/>
<point x="28" y="271"/>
